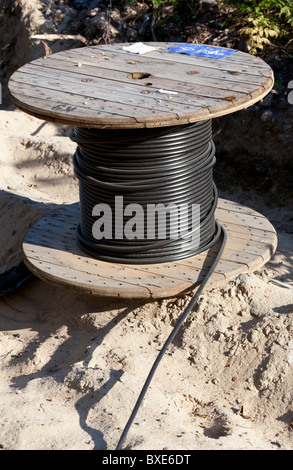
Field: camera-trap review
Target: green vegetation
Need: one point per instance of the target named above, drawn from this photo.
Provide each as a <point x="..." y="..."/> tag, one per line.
<point x="262" y="21"/>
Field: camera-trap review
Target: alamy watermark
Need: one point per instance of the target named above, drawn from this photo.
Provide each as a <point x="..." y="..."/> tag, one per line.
<point x="151" y="222"/>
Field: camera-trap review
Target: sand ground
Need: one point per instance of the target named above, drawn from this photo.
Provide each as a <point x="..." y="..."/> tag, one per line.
<point x="72" y="365"/>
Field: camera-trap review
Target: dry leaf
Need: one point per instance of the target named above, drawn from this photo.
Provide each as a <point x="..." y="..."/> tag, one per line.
<point x="134" y="62"/>
<point x="87" y="80"/>
<point x="147" y="92"/>
<point x="192" y="72"/>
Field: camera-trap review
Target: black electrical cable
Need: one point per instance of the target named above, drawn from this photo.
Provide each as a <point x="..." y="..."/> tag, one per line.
<point x="149" y="166"/>
<point x="174" y="332"/>
<point x="170" y="166"/>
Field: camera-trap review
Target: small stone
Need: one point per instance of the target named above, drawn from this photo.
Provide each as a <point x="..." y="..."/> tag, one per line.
<point x="267" y="117"/>
<point x="93" y="12"/>
<point x="131" y="34"/>
<point x="253" y="336"/>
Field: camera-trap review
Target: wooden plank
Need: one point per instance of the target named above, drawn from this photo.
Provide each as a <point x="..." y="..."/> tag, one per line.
<point x="45" y="232"/>
<point x="144" y="64"/>
<point x="241" y="231"/>
<point x="198" y="91"/>
<point x="82" y="120"/>
<point x="53" y="234"/>
<point x="88" y="102"/>
<point x="51" y="253"/>
<point x="248" y="220"/>
<point x="224" y="266"/>
<point x="255" y="236"/>
<point x="171" y="60"/>
<point x="130" y="97"/>
<point x="87" y="108"/>
<point x="258" y="235"/>
<point x="118" y="70"/>
<point x="60" y="86"/>
<point x="153" y="276"/>
<point x="47" y="235"/>
<point x="59" y="105"/>
<point x="239" y="58"/>
<point x="67" y="276"/>
<point x="233" y="69"/>
<point x="99" y="112"/>
<point x="144" y="95"/>
<point x="188" y="97"/>
<point x="233" y="206"/>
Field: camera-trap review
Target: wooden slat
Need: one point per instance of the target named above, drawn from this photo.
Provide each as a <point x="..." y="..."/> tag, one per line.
<point x="95" y="90"/>
<point x="235" y="207"/>
<point x="92" y="114"/>
<point x="246" y="220"/>
<point x="87" y="109"/>
<point x="57" y="69"/>
<point x="144" y="94"/>
<point x="84" y="86"/>
<point x="206" y="65"/>
<point x="51" y="252"/>
<point x="215" y="77"/>
<point x="216" y="83"/>
<point x="242" y="58"/>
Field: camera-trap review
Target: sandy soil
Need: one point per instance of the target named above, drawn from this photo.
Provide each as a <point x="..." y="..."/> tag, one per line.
<point x="72" y="365"/>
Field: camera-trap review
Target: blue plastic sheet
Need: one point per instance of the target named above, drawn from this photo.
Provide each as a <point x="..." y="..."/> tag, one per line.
<point x="202" y="51"/>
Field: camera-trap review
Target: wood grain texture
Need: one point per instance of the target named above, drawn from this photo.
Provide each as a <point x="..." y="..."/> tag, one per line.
<point x="51" y="253"/>
<point x="98" y="87"/>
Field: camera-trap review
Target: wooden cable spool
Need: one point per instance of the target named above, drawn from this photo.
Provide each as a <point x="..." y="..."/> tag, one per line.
<point x="106" y="87"/>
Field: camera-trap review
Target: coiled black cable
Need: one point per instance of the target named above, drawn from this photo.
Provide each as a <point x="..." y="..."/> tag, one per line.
<point x="149" y="166"/>
<point x="169" y="166"/>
